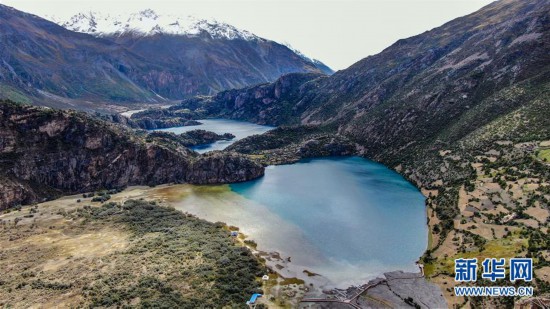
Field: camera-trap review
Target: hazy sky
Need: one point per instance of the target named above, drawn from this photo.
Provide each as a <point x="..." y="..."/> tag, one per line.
<point x="337" y="32"/>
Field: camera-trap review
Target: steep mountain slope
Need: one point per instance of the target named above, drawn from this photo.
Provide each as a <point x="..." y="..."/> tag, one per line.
<point x="270" y="103"/>
<point x="442" y="84"/>
<point x="44" y="63"/>
<point x="211" y="65"/>
<point x="45" y="152"/>
<point x="462" y="111"/>
<point x="323" y="67"/>
<point x="213" y="56"/>
<point x="449" y="78"/>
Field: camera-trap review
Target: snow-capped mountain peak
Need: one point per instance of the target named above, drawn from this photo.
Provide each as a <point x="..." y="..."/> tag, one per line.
<point x="148" y="22"/>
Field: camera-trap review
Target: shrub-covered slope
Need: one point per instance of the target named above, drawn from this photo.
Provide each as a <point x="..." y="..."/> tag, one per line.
<point x="133" y="254"/>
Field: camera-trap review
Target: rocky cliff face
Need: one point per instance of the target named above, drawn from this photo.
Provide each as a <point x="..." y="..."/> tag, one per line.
<point x="219" y="167"/>
<point x="45" y="152"/>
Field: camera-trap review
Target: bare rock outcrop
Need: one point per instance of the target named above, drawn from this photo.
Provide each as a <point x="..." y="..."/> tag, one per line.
<point x="45" y="153"/>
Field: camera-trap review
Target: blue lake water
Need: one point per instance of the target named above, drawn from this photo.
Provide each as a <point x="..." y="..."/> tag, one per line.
<point x="240" y="129"/>
<point x="353" y="210"/>
<point x="348" y="219"/>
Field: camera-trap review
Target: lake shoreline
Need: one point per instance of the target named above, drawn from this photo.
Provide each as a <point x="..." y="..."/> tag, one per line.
<point x="314" y="286"/>
<point x="286" y="286"/>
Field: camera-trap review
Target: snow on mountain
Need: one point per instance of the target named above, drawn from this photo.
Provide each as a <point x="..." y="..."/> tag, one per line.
<point x="316" y="62"/>
<point x="299" y="53"/>
<point x="148" y="22"/>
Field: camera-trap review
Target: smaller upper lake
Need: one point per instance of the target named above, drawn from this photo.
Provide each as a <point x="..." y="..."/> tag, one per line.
<point x="240" y="129"/>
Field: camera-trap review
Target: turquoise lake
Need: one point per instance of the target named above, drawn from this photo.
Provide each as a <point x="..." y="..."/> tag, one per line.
<point x="355" y="212"/>
<point x="348" y="219"/>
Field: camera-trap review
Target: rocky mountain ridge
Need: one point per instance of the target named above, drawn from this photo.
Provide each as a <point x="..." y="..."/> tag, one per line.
<point x="46" y="64"/>
<point x="430" y="88"/>
<point x="149" y="23"/>
<point x="269" y="103"/>
<point x="45" y="153"/>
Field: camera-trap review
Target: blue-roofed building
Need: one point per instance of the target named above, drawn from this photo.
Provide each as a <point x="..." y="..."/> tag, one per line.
<point x="252" y="302"/>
